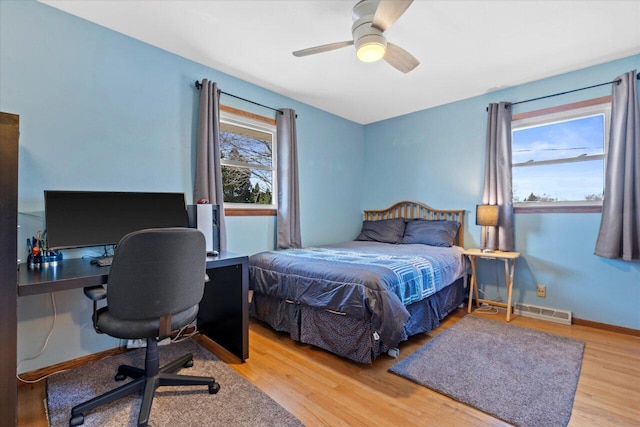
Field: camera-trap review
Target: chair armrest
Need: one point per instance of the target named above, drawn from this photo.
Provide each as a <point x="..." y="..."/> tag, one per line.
<point x="95" y="293"/>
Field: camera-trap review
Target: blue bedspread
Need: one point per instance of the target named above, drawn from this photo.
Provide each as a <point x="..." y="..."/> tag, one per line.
<point x="416" y="276"/>
<point x="366" y="280"/>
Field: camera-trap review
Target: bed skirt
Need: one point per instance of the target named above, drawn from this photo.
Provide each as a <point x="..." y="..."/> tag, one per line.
<point x="344" y="335"/>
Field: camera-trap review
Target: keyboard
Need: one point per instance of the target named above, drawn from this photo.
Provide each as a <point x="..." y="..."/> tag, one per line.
<point x="104" y="261"/>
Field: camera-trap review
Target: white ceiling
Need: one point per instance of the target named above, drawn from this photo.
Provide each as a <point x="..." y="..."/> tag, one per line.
<point x="466" y="48"/>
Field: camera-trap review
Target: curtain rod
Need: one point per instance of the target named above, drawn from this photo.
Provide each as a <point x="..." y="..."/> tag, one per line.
<point x="564" y="93"/>
<point x="199" y="85"/>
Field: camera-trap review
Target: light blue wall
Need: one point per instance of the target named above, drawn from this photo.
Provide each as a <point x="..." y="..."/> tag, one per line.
<point x="101" y="111"/>
<point x="437" y="156"/>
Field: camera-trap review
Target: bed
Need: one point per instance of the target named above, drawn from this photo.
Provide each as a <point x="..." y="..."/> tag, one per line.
<point x="359" y="299"/>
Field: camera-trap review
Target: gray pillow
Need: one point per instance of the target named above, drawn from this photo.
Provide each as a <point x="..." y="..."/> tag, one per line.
<point x="384" y="230"/>
<point x="433" y="233"/>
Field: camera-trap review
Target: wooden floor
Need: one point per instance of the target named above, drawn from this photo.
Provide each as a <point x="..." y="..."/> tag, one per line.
<point x="324" y="390"/>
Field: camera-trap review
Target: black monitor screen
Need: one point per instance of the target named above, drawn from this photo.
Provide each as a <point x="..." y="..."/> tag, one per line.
<point x="93" y="218"/>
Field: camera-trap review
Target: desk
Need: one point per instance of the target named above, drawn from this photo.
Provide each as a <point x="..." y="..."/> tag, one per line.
<point x="224" y="309"/>
<point x="509" y="259"/>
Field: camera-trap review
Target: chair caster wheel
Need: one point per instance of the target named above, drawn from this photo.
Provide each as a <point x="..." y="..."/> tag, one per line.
<point x="213" y="389"/>
<point x="76" y="421"/>
<point x="189" y="364"/>
<point x="120" y="377"/>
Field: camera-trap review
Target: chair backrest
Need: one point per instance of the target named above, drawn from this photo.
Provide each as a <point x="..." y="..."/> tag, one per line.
<point x="156" y="272"/>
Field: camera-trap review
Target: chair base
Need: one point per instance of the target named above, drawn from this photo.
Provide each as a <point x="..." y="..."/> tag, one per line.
<point x="146" y="380"/>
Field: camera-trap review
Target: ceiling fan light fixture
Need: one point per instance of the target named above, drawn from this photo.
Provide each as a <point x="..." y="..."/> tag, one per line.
<point x="371" y="52"/>
<point x="371" y="48"/>
<point x="371" y="18"/>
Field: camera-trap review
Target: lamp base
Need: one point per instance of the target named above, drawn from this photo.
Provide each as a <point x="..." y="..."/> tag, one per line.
<point x="487" y="250"/>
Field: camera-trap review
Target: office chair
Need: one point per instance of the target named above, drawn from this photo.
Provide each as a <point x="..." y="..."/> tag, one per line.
<point x="155" y="284"/>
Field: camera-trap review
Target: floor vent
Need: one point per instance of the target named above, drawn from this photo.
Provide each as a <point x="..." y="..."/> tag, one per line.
<point x="544" y="313"/>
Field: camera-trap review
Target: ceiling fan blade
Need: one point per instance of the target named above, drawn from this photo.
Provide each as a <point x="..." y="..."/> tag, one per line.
<point x="400" y="59"/>
<point x="388" y="12"/>
<point x="323" y="48"/>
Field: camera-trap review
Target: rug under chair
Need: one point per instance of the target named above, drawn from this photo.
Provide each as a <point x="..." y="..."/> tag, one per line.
<point x="238" y="403"/>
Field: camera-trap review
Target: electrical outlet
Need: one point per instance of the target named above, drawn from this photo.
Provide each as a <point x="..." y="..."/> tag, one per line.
<point x="541" y="291"/>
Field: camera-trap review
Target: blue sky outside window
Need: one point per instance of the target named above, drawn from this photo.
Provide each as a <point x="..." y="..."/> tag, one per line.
<point x="560" y="161"/>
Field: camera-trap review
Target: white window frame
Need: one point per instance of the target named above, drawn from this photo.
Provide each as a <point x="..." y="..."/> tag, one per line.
<point x="250" y="123"/>
<point x="558" y="117"/>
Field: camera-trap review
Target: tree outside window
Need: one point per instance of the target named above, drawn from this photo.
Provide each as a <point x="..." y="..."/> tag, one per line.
<point x="247" y="158"/>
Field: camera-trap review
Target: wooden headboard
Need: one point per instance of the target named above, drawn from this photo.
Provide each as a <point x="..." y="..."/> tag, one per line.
<point x="413" y="210"/>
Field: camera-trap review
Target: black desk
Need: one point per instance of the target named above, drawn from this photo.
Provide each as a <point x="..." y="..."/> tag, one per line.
<point x="224" y="308"/>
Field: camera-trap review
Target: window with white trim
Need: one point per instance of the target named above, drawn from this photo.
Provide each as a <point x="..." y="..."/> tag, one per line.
<point x="248" y="159"/>
<point x="558" y="159"/>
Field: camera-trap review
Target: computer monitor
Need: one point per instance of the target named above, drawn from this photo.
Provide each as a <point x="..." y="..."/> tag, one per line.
<point x="76" y="219"/>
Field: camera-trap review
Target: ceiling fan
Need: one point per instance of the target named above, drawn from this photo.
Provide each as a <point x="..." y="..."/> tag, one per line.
<point x="371" y="18"/>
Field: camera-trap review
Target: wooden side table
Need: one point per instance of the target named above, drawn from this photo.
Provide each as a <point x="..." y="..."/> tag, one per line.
<point x="509" y="259"/>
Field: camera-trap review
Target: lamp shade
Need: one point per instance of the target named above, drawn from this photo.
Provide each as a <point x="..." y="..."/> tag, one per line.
<point x="487" y="215"/>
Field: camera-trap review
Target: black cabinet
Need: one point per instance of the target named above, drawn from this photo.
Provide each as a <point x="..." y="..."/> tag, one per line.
<point x="9" y="131"/>
<point x="223" y="314"/>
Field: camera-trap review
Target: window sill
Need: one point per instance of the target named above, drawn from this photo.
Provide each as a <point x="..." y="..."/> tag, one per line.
<point x="557" y="209"/>
<point x="249" y="212"/>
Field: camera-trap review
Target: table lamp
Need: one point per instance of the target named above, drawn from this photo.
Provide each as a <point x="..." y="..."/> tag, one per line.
<point x="486" y="216"/>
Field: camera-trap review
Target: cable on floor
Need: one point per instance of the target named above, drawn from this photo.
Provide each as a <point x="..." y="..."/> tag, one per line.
<point x="487" y="308"/>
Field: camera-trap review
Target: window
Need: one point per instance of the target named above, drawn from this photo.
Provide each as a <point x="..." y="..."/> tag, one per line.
<point x="247" y="156"/>
<point x="558" y="157"/>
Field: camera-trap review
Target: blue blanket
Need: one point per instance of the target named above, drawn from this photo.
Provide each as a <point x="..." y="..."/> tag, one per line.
<point x="366" y="280"/>
<point x="416" y="275"/>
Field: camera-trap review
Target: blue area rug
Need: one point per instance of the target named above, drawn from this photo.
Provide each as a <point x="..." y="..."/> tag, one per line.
<point x="522" y="376"/>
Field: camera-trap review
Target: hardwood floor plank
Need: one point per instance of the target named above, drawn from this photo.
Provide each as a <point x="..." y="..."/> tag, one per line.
<point x="325" y="390"/>
<point x="31" y="405"/>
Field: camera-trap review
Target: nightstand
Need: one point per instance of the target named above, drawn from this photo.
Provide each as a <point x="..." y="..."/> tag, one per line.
<point x="509" y="259"/>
